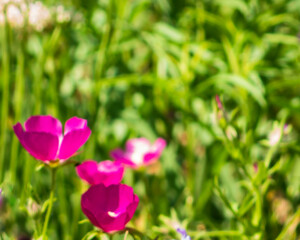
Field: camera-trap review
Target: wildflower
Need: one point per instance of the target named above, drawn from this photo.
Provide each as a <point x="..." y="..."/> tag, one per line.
<point x="44" y="140"/>
<point x="62" y="15"/>
<point x="36" y="14"/>
<point x="106" y="172"/>
<point x="275" y="135"/>
<point x="139" y="151"/>
<point x="183" y="234"/>
<point x="109" y="208"/>
<point x="39" y="16"/>
<point x="255" y="167"/>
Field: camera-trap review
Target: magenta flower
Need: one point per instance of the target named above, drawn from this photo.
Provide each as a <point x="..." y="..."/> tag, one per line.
<point x="109" y="208"/>
<point x="139" y="152"/>
<point x="44" y="140"/>
<point x="106" y="172"/>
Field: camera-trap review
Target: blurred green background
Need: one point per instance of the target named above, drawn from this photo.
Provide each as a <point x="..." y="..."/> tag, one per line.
<point x="142" y="68"/>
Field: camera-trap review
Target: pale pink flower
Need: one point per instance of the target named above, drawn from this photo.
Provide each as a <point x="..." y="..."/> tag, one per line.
<point x="39" y="16"/>
<point x="106" y="172"/>
<point x="44" y="140"/>
<point x="109" y="208"/>
<point x="139" y="152"/>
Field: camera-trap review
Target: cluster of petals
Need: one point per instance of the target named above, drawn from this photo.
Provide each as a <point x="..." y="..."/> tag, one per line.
<point x="32" y="13"/>
<point x="139" y="152"/>
<point x="108" y="204"/>
<point x="106" y="172"/>
<point x="109" y="207"/>
<point x="42" y="137"/>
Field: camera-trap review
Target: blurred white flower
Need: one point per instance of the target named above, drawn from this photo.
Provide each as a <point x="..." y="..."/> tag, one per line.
<point x="39" y="16"/>
<point x="62" y="15"/>
<point x="274" y="136"/>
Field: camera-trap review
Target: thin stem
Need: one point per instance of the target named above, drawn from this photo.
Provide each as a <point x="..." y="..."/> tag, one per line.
<point x="133" y="231"/>
<point x="51" y="198"/>
<point x="5" y="94"/>
<point x="198" y="235"/>
<point x="289" y="224"/>
<point x="18" y="97"/>
<point x="274" y="148"/>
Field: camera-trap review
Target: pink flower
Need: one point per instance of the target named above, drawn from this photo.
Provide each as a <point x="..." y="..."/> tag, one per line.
<point x="109" y="208"/>
<point x="106" y="172"/>
<point x="139" y="151"/>
<point x="44" y="140"/>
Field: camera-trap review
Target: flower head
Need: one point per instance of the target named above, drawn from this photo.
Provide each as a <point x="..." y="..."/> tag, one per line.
<point x="183" y="234"/>
<point x="109" y="208"/>
<point x="106" y="172"/>
<point x="139" y="151"/>
<point x="44" y="140"/>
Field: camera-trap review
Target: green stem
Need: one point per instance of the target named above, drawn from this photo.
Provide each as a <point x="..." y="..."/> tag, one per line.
<point x="51" y="199"/>
<point x="229" y="233"/>
<point x="18" y="97"/>
<point x="133" y="231"/>
<point x="274" y="148"/>
<point x="294" y="219"/>
<point x="5" y="94"/>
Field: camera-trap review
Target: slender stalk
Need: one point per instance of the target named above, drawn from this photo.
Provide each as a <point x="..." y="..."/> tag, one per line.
<point x="18" y="108"/>
<point x="198" y="235"/>
<point x="5" y="94"/>
<point x="135" y="232"/>
<point x="274" y="148"/>
<point x="51" y="199"/>
<point x="293" y="220"/>
<point x="26" y="176"/>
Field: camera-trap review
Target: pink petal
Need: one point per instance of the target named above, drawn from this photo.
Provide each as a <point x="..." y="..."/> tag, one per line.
<point x="106" y="172"/>
<point x="136" y="143"/>
<point x="157" y="147"/>
<point x="47" y="124"/>
<point x="72" y="141"/>
<point x="127" y="197"/>
<point x="111" y="224"/>
<point x="109" y="173"/>
<point x="75" y="123"/>
<point x="100" y="199"/>
<point x="160" y="145"/>
<point x="109" y="208"/>
<point x="119" y="156"/>
<point x="90" y="215"/>
<point x="87" y="171"/>
<point x="42" y="146"/>
<point x="132" y="207"/>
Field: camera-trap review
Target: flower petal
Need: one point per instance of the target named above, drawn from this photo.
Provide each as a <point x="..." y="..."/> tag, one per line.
<point x="110" y="224"/>
<point x="42" y="146"/>
<point x="87" y="171"/>
<point x="109" y="208"/>
<point x="137" y="144"/>
<point x="119" y="156"/>
<point x="156" y="151"/>
<point x="132" y="207"/>
<point x="47" y="124"/>
<point x="109" y="173"/>
<point x="75" y="123"/>
<point x="72" y="142"/>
